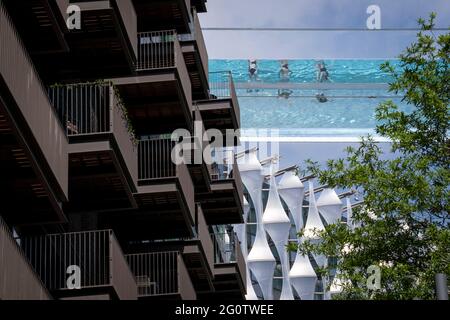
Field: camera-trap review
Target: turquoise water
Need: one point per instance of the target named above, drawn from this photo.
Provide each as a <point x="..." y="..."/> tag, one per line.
<point x="355" y="88"/>
<point x="304" y="71"/>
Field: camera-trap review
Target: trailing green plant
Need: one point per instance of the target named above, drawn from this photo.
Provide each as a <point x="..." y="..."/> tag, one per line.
<point x="118" y="99"/>
<point x="125" y="116"/>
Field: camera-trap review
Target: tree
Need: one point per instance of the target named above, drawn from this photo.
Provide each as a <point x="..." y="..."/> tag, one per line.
<point x="403" y="225"/>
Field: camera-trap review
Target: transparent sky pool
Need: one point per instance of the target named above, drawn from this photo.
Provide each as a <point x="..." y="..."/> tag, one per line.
<point x="355" y="89"/>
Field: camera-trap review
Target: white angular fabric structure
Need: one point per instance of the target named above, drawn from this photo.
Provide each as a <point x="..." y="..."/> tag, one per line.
<point x="303" y="277"/>
<point x="313" y="225"/>
<point x="241" y="229"/>
<point x="313" y="221"/>
<point x="251" y="294"/>
<point x="273" y="222"/>
<point x="260" y="260"/>
<point x="252" y="178"/>
<point x="277" y="225"/>
<point x="292" y="191"/>
<point x="330" y="206"/>
<point x="246" y="208"/>
<point x="262" y="263"/>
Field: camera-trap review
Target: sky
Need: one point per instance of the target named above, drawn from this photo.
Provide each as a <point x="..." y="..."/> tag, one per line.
<point x="314" y="14"/>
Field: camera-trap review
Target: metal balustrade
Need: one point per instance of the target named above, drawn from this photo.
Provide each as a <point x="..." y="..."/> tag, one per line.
<point x="157" y="50"/>
<point x="97" y="255"/>
<point x="222" y="172"/>
<point x="83" y="108"/>
<point x="221" y="84"/>
<point x="17" y="277"/>
<point x="156" y="272"/>
<point x="225" y="247"/>
<point x="221" y="166"/>
<point x="227" y="252"/>
<point x="155" y="160"/>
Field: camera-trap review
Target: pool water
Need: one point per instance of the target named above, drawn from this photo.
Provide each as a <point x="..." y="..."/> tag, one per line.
<point x="355" y="89"/>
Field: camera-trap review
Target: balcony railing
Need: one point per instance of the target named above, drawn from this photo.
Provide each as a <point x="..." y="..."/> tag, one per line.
<point x="155" y="160"/>
<point x="97" y="255"/>
<point x="225" y="247"/>
<point x="220" y="84"/>
<point x="221" y="167"/>
<point x="17" y="278"/>
<point x="95" y="111"/>
<point x="82" y="108"/>
<point x="158" y="50"/>
<point x="225" y="168"/>
<point x="87" y="108"/>
<point x="227" y="250"/>
<point x="159" y="273"/>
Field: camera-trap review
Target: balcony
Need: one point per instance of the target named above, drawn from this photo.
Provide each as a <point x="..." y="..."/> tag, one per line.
<point x="197" y="250"/>
<point x="165" y="187"/>
<point x="159" y="98"/>
<point x="40" y="25"/>
<point x="162" y="15"/>
<point x="105" y="46"/>
<point x="223" y="205"/>
<point x="102" y="151"/>
<point x="198" y="255"/>
<point x="17" y="277"/>
<point x="161" y="275"/>
<point x="164" y="197"/>
<point x="103" y="269"/>
<point x="196" y="57"/>
<point x="200" y="170"/>
<point x="229" y="268"/>
<point x="33" y="147"/>
<point x="221" y="111"/>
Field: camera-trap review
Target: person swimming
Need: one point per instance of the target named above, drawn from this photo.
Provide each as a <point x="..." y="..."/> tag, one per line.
<point x="321" y="98"/>
<point x="285" y="93"/>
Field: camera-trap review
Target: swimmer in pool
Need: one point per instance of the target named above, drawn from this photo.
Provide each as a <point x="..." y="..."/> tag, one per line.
<point x="253" y="70"/>
<point x="285" y="93"/>
<point x="322" y="72"/>
<point x="321" y="98"/>
<point x="284" y="72"/>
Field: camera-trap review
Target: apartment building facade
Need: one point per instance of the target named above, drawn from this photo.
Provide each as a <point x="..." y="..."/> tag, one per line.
<point x="93" y="207"/>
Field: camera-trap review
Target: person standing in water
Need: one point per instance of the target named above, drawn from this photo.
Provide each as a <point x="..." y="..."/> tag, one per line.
<point x="322" y="72"/>
<point x="252" y="73"/>
<point x="322" y="76"/>
<point x="285" y="76"/>
<point x="284" y="72"/>
<point x="253" y="70"/>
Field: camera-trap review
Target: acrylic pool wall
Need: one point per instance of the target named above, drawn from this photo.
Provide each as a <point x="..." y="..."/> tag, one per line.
<point x="290" y="107"/>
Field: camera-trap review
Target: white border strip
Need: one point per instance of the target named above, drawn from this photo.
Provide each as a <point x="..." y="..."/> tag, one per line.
<point x="311" y="139"/>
